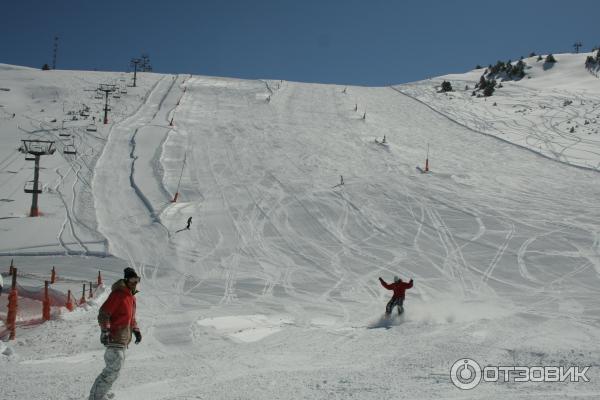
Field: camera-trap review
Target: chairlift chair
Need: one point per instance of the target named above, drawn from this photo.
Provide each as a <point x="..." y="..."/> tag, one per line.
<point x="69" y="149"/>
<point x="29" y="157"/>
<point x="28" y="188"/>
<point x="36" y="148"/>
<point x="91" y="128"/>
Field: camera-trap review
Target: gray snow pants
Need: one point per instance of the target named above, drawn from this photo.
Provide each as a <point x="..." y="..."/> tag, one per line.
<point x="399" y="301"/>
<point x="114" y="358"/>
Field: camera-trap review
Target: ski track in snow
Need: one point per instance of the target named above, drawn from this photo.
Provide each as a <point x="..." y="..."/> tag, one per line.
<point x="273" y="292"/>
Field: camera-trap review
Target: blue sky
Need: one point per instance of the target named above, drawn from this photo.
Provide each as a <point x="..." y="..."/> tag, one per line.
<point x="375" y="42"/>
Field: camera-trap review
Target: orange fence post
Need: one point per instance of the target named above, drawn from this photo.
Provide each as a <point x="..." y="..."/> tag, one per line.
<point x="99" y="278"/>
<point x="10" y="270"/>
<point x="69" y="304"/>
<point x="82" y="300"/>
<point x="11" y="317"/>
<point x="46" y="303"/>
<point x="53" y="275"/>
<point x="91" y="293"/>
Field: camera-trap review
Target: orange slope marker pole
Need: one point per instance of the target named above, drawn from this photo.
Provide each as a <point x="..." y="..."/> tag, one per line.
<point x="179" y="183"/>
<point x="46" y="303"/>
<point x="11" y="317"/>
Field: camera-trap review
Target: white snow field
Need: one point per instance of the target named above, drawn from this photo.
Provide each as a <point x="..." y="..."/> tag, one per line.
<point x="273" y="292"/>
<point x="537" y="112"/>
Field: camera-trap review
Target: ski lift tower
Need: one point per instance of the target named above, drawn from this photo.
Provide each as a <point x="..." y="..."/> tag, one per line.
<point x="135" y="62"/>
<point x="36" y="148"/>
<point x="106" y="88"/>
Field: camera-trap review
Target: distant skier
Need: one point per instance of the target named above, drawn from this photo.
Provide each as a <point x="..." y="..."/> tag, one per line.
<point x="341" y="180"/>
<point x="397" y="299"/>
<point x="189" y="223"/>
<point x="383" y="141"/>
<point x="117" y="323"/>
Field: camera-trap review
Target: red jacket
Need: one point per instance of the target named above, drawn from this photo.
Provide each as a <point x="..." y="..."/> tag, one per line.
<point x="397" y="287"/>
<point x="118" y="314"/>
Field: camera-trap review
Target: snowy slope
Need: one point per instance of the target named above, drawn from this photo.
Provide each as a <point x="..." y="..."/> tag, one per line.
<point x="40" y="101"/>
<point x="273" y="292"/>
<point x="554" y="111"/>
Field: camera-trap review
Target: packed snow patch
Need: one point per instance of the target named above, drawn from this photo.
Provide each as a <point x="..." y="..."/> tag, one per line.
<point x="247" y="328"/>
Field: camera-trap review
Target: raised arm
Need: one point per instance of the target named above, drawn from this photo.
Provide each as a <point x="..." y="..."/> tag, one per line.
<point x="384" y="284"/>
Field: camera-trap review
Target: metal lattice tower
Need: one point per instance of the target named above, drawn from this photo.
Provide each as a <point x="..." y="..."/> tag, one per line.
<point x="145" y="66"/>
<point x="106" y="88"/>
<point x="135" y="62"/>
<point x="55" y="52"/>
<point x="577" y="46"/>
<point x="36" y="148"/>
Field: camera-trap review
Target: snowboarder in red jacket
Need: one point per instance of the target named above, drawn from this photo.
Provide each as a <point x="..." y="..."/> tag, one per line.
<point x="397" y="299"/>
<point x="116" y="318"/>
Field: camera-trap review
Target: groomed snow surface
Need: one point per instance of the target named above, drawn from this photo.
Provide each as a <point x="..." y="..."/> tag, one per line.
<point x="273" y="293"/>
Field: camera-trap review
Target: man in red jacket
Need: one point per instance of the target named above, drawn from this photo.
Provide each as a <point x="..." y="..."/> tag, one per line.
<point x="397" y="299"/>
<point x="117" y="323"/>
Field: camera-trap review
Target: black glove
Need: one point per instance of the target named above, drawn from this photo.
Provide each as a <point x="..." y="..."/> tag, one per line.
<point x="138" y="336"/>
<point x="105" y="337"/>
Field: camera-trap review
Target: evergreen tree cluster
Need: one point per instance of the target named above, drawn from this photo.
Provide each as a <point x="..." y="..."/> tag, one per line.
<point x="506" y="70"/>
<point x="446" y="86"/>
<point x="591" y="61"/>
<point x="486" y="85"/>
<point x="500" y="71"/>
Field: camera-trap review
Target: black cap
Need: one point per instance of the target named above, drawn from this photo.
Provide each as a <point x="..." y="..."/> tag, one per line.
<point x="130" y="273"/>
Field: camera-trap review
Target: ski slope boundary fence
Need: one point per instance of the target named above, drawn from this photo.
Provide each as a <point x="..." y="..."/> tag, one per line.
<point x="38" y="294"/>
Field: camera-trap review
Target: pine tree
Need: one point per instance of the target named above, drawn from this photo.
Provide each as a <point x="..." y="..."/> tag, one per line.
<point x="550" y="58"/>
<point x="489" y="88"/>
<point x="481" y="83"/>
<point x="519" y="69"/>
<point x="45" y="67"/>
<point x="589" y="61"/>
<point x="446" y="86"/>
